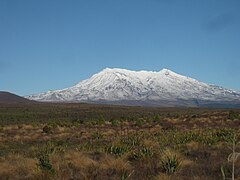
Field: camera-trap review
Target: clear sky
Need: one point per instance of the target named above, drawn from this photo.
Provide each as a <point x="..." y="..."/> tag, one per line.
<point x="53" y="44"/>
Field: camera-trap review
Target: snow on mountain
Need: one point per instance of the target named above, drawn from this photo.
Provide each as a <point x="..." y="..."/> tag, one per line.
<point x="123" y="86"/>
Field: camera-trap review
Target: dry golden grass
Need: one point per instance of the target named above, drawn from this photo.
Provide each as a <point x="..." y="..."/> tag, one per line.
<point x="16" y="166"/>
<point x="72" y="164"/>
<point x="120" y="164"/>
<point x="151" y="144"/>
<point x="78" y="160"/>
<point x="27" y="127"/>
<point x="77" y="165"/>
<point x="162" y="177"/>
<point x="192" y="145"/>
<point x="109" y="132"/>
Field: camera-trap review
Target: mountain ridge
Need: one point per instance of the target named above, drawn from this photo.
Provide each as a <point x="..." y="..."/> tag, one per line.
<point x="122" y="86"/>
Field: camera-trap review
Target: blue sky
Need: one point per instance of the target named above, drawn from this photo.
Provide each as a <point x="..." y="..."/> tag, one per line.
<point x="53" y="44"/>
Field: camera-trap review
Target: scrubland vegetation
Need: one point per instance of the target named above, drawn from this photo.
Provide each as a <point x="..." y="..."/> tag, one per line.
<point x="79" y="141"/>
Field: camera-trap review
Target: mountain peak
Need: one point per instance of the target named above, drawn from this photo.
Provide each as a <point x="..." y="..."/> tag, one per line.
<point x="122" y="70"/>
<point x="165" y="70"/>
<point x="114" y="70"/>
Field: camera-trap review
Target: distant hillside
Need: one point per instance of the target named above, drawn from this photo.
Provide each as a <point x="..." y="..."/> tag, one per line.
<point x="7" y="97"/>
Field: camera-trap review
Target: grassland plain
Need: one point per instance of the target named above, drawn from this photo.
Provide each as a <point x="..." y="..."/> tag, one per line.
<point x="81" y="141"/>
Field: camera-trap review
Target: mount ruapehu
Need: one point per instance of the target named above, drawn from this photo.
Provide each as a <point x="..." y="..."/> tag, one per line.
<point x="143" y="88"/>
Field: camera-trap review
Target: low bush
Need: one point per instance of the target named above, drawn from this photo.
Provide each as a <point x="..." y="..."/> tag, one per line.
<point x="170" y="162"/>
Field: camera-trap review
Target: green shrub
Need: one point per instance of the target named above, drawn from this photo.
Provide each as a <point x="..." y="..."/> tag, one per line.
<point x="47" y="129"/>
<point x="131" y="141"/>
<point x="134" y="156"/>
<point x="117" y="150"/>
<point x="43" y="156"/>
<point x="144" y="152"/>
<point x="225" y="134"/>
<point x="101" y="120"/>
<point x="170" y="163"/>
<point x="232" y="115"/>
<point x="125" y="175"/>
<point x="157" y="118"/>
<point x="139" y="122"/>
<point x="114" y="122"/>
<point x="97" y="135"/>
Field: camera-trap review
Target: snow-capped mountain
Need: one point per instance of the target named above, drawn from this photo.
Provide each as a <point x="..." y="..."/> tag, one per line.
<point x="163" y="88"/>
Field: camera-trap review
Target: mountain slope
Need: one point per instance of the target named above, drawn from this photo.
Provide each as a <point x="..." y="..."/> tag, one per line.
<point x="6" y="97"/>
<point x="163" y="88"/>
